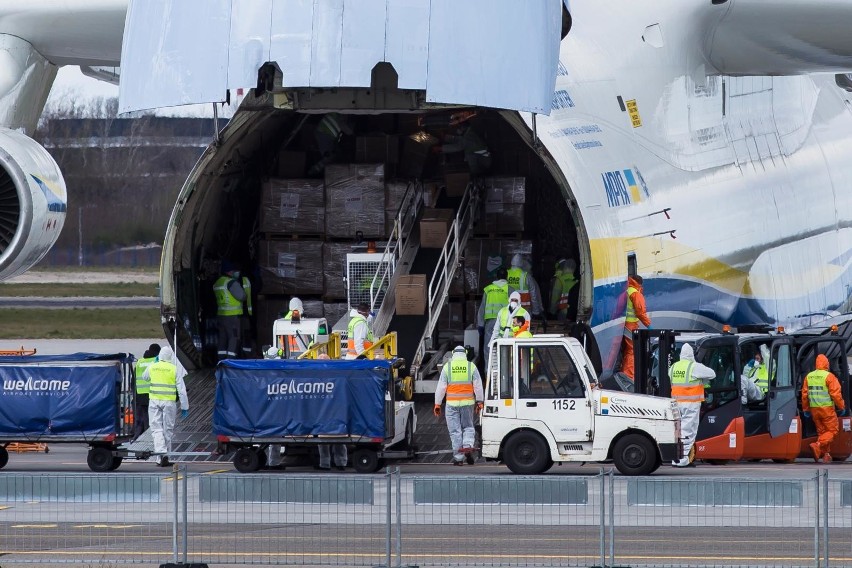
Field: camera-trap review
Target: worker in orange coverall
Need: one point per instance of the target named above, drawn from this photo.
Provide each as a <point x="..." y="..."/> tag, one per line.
<point x="635" y="312"/>
<point x="820" y="395"/>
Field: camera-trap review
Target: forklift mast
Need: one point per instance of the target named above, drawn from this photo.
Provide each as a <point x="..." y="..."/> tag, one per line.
<point x="654" y="352"/>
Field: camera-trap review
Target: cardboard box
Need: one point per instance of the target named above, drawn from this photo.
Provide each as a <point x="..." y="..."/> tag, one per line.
<point x="290" y="164"/>
<point x="382" y="148"/>
<point x="411" y="295"/>
<point x="456" y="183"/>
<point x="434" y="227"/>
<point x="292" y="206"/>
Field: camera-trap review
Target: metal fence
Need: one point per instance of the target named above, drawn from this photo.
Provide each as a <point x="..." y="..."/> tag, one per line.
<point x="398" y="520"/>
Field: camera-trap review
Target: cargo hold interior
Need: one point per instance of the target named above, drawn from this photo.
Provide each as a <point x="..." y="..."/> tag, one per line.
<point x="259" y="200"/>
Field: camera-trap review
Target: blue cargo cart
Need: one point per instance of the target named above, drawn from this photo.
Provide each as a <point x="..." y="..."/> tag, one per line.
<point x="78" y="398"/>
<point x="301" y="404"/>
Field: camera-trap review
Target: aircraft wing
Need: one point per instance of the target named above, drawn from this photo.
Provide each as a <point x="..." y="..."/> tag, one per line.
<point x="781" y="37"/>
<point x="68" y="32"/>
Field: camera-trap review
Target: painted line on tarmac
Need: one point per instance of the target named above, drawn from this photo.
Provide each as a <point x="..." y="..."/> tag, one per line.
<point x="48" y="526"/>
<point x="215" y="471"/>
<point x="106" y="526"/>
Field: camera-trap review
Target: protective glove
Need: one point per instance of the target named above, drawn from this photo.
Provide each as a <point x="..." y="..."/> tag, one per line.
<point x="806" y="414"/>
<point x="437" y="410"/>
<point x="843" y="412"/>
<point x="479" y="407"/>
<point x="184" y="414"/>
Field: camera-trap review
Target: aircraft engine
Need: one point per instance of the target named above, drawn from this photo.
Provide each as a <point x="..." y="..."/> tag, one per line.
<point x="33" y="201"/>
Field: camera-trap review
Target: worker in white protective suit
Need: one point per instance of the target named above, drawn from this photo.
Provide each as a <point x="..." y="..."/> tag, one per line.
<point x="688" y="378"/>
<point x="521" y="280"/>
<point x="505" y="317"/>
<point x="167" y="386"/>
<point x="750" y="391"/>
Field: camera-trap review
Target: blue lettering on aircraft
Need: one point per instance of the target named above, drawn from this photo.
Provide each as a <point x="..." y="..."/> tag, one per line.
<point x="616" y="189"/>
<point x="585" y="145"/>
<point x="576" y="130"/>
<point x="561" y="99"/>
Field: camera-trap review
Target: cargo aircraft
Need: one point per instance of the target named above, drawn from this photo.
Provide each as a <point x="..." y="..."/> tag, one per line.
<point x="703" y="144"/>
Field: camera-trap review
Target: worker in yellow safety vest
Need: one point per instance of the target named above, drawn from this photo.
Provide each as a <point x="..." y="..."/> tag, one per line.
<point x="230" y="296"/>
<point x="503" y="326"/>
<point x="561" y="285"/>
<point x="687" y="379"/>
<point x="521" y="327"/>
<point x="166" y="387"/>
<point x="359" y="334"/>
<point x="635" y="311"/>
<point x="462" y="385"/>
<point x="822" y="400"/>
<point x="143" y="387"/>
<point x="495" y="297"/>
<point x="521" y="280"/>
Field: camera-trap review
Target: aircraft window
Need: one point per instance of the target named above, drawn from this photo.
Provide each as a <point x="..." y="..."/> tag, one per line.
<point x="782" y="367"/>
<point x="548" y="372"/>
<point x="507" y="389"/>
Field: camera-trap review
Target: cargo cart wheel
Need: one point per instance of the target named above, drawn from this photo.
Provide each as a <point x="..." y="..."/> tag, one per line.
<point x="100" y="459"/>
<point x="4" y="457"/>
<point x="365" y="461"/>
<point x="246" y="460"/>
<point x="526" y="453"/>
<point x="634" y="454"/>
<point x="116" y="462"/>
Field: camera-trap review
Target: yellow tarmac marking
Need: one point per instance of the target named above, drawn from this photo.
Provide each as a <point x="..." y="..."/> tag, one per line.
<point x="171" y="478"/>
<point x="49" y="526"/>
<point x="214" y="471"/>
<point x="4" y="507"/>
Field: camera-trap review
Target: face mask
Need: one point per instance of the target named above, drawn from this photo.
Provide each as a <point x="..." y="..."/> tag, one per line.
<point x="513" y="305"/>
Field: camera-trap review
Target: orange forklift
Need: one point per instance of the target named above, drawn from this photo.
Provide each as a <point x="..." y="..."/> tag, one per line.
<point x="832" y="338"/>
<point x="729" y="428"/>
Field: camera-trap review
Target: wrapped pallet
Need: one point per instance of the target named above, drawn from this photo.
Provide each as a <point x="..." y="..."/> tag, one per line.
<point x="503" y="205"/>
<point x="355" y="200"/>
<point x="292" y="206"/>
<point x="394" y="194"/>
<point x="334" y="311"/>
<point x="334" y="269"/>
<point x="482" y="257"/>
<point x="291" y="267"/>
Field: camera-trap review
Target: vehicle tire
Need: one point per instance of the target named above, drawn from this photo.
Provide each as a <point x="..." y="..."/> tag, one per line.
<point x="365" y="461"/>
<point x="408" y="442"/>
<point x="116" y="462"/>
<point x="100" y="459"/>
<point x="526" y="453"/>
<point x="246" y="460"/>
<point x="4" y="457"/>
<point x="634" y="454"/>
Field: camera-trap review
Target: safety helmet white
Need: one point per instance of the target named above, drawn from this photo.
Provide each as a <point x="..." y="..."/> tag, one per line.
<point x="296" y="304"/>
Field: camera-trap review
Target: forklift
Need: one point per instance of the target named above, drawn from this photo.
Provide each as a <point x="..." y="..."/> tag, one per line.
<point x="729" y="430"/>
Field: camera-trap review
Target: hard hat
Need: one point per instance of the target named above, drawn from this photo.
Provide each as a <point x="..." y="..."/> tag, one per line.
<point x="296" y="304"/>
<point x="460" y="349"/>
<point x="516" y="296"/>
<point x="517" y="260"/>
<point x="272" y="353"/>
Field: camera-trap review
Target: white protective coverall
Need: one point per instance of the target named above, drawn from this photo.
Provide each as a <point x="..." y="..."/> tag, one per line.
<point x="749" y="391"/>
<point x="690" y="411"/>
<point x="523" y="262"/>
<point x="162" y="413"/>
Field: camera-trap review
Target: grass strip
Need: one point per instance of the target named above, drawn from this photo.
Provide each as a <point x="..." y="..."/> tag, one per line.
<point x="80" y="323"/>
<point x="53" y="290"/>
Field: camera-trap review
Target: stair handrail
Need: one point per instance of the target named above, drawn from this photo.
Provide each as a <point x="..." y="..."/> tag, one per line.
<point x="448" y="263"/>
<point x="398" y="242"/>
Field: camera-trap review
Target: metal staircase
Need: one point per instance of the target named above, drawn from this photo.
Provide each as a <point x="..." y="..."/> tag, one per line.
<point x="398" y="259"/>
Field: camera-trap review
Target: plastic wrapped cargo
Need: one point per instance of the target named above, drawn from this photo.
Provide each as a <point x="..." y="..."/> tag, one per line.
<point x="291" y="267"/>
<point x="355" y="200"/>
<point x="292" y="206"/>
<point x="286" y="398"/>
<point x="334" y="270"/>
<point x="504" y="205"/>
<point x="482" y="257"/>
<point x="335" y="311"/>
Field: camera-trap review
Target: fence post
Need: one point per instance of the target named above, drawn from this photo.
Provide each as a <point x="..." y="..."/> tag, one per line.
<point x="816" y="520"/>
<point x="175" y="470"/>
<point x="398" y="518"/>
<point x="825" y="517"/>
<point x="185" y="516"/>
<point x="388" y="476"/>
<point x="611" y="518"/>
<point x="603" y="517"/>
